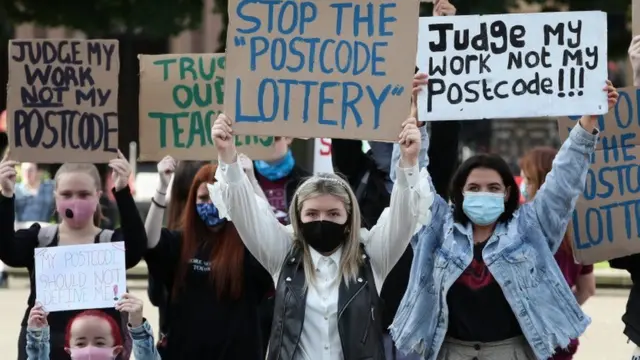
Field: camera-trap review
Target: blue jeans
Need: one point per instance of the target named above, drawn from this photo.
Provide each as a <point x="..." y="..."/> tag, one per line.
<point x="391" y="353"/>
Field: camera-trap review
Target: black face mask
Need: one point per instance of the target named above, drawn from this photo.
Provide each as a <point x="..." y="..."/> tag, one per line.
<point x="324" y="236"/>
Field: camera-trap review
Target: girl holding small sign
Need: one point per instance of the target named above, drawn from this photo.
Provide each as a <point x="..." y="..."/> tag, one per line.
<point x="484" y="283"/>
<point x="77" y="193"/>
<point x="93" y="334"/>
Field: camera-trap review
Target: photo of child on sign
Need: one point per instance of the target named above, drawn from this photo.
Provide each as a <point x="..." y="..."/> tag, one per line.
<point x="329" y="68"/>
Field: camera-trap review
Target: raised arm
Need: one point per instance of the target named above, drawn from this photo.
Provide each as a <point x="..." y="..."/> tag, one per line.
<point x="411" y="199"/>
<point x="155" y="216"/>
<point x="131" y="229"/>
<point x="264" y="236"/>
<point x="553" y="205"/>
<point x="16" y="247"/>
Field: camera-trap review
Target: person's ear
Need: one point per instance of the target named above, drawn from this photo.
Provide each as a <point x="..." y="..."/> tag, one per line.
<point x="99" y="194"/>
<point x="117" y="350"/>
<point x="288" y="140"/>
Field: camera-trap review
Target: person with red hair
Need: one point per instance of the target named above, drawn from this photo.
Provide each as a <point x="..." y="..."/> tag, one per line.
<point x="211" y="277"/>
<point x="93" y="334"/>
<point x="534" y="167"/>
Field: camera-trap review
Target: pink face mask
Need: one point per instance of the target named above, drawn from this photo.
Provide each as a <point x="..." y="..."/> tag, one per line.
<point x="77" y="212"/>
<point x="92" y="353"/>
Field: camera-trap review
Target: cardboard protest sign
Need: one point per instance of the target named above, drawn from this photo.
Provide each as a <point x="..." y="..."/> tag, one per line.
<point x="334" y="69"/>
<point x="62" y="101"/>
<point x="181" y="95"/>
<point x="513" y="66"/>
<point x="606" y="222"/>
<point x="77" y="277"/>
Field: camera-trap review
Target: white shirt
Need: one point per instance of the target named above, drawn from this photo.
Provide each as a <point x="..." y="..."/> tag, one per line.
<point x="269" y="241"/>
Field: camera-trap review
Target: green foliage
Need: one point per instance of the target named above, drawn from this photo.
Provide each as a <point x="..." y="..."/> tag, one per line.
<point x="149" y="18"/>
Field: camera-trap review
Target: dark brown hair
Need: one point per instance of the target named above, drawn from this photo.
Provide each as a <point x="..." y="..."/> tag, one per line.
<point x="536" y="164"/>
<point x="182" y="179"/>
<point x="227" y="250"/>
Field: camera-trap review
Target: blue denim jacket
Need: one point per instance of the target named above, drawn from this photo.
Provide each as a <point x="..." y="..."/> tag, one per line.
<point x="519" y="255"/>
<point x="143" y="344"/>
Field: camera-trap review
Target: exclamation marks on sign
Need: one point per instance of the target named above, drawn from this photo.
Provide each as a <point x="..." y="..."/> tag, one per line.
<point x="573" y="89"/>
<point x="115" y="292"/>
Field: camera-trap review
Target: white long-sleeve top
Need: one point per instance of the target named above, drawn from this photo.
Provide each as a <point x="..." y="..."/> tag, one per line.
<point x="269" y="241"/>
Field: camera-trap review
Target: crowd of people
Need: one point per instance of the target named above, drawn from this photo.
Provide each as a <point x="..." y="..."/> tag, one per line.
<point x="262" y="259"/>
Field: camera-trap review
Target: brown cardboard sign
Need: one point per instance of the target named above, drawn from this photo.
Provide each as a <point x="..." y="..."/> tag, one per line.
<point x="62" y="101"/>
<point x="334" y="69"/>
<point x="606" y="222"/>
<point x="181" y="96"/>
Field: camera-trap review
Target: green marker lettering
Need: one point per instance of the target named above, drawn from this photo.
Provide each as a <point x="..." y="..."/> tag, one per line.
<point x="206" y="74"/>
<point x="219" y="90"/>
<point x="177" y="130"/>
<point x="163" y="117"/>
<point x="197" y="128"/>
<point x="186" y="66"/>
<point x="165" y="67"/>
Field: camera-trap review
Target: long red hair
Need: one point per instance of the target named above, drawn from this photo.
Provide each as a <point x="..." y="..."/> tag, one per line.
<point x="115" y="328"/>
<point x="227" y="250"/>
<point x="536" y="164"/>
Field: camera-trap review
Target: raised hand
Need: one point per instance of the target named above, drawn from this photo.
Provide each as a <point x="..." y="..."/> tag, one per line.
<point x="612" y="94"/>
<point x="37" y="317"/>
<point x="443" y="8"/>
<point x="222" y="135"/>
<point x="166" y="168"/>
<point x="634" y="57"/>
<point x="133" y="306"/>
<point x="7" y="176"/>
<point x="121" y="171"/>
<point x="409" y="142"/>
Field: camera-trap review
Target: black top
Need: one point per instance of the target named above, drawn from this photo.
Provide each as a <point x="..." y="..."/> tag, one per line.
<point x="200" y="324"/>
<point x="631" y="317"/>
<point x="478" y="310"/>
<point x="17" y="250"/>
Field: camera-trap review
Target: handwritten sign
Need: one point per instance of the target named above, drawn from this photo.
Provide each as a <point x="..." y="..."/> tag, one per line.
<point x="78" y="277"/>
<point x="606" y="222"/>
<point x="335" y="69"/>
<point x="63" y="100"/>
<point x="322" y="162"/>
<point x="181" y="95"/>
<point x="513" y="66"/>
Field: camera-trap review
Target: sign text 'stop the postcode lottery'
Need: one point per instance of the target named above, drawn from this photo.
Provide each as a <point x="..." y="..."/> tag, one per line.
<point x="336" y="69"/>
<point x="513" y="65"/>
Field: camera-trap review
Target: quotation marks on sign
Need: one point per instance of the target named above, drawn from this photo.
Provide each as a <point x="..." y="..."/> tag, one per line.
<point x="239" y="41"/>
<point x="285" y="38"/>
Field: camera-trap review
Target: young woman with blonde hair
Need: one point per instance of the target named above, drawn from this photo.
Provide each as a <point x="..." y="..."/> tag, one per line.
<point x="328" y="271"/>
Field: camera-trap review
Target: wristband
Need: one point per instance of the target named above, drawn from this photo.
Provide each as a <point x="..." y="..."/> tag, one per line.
<point x="154" y="202"/>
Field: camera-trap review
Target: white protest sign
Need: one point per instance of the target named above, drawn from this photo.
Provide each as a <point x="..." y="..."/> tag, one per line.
<point x="78" y="277"/>
<point x="512" y="66"/>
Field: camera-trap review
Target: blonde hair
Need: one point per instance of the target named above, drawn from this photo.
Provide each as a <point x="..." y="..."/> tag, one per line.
<point x="83" y="168"/>
<point x="329" y="184"/>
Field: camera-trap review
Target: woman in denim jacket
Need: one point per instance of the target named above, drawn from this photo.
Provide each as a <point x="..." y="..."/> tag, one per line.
<point x="93" y="335"/>
<point x="484" y="283"/>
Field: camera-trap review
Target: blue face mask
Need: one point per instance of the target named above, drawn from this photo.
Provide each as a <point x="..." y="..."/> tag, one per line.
<point x="523" y="191"/>
<point x="275" y="171"/>
<point x="209" y="214"/>
<point x="483" y="208"/>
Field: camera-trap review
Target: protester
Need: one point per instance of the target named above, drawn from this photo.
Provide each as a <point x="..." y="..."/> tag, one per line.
<point x="34" y="196"/>
<point x="176" y="202"/>
<point x="441" y="170"/>
<point x="278" y="177"/>
<point x="535" y="165"/>
<point x="93" y="334"/>
<point x="77" y="189"/>
<point x="211" y="277"/>
<point x="516" y="305"/>
<point x="324" y="251"/>
<point x="631" y="263"/>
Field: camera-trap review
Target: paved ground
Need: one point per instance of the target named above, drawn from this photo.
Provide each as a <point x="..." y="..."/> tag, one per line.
<point x="602" y="341"/>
